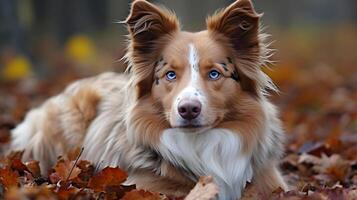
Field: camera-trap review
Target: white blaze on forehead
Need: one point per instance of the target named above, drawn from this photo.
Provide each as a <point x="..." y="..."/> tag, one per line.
<point x="192" y="89"/>
<point x="193" y="58"/>
<point x="194" y="64"/>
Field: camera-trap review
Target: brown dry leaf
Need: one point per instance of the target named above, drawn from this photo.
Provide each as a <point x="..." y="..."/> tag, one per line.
<point x="310" y="159"/>
<point x="54" y="177"/>
<point x="87" y="171"/>
<point x="334" y="142"/>
<point x="109" y="176"/>
<point x="66" y="170"/>
<point x="11" y="156"/>
<point x="290" y="195"/>
<point x="290" y="161"/>
<point x="30" y="192"/>
<point x="18" y="165"/>
<point x="205" y="189"/>
<point x="67" y="192"/>
<point x="141" y="195"/>
<point x="8" y="178"/>
<point x="314" y="148"/>
<point x="34" y="167"/>
<point x="334" y="166"/>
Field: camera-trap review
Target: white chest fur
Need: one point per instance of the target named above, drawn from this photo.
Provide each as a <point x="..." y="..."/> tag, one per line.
<point x="216" y="152"/>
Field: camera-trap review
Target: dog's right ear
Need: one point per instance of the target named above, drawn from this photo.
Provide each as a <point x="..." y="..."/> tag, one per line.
<point x="147" y="23"/>
<point x="150" y="28"/>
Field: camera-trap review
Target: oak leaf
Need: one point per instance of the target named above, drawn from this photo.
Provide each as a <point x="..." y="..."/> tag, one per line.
<point x="66" y="170"/>
<point x="334" y="166"/>
<point x="8" y="178"/>
<point x="141" y="195"/>
<point x="109" y="176"/>
<point x="34" y="167"/>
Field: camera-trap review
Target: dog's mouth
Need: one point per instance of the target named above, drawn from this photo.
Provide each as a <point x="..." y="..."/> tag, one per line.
<point x="191" y="126"/>
<point x="195" y="127"/>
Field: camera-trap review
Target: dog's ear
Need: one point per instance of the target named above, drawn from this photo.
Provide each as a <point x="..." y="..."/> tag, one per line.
<point x="147" y="23"/>
<point x="239" y="23"/>
<point x="237" y="26"/>
<point x="150" y="28"/>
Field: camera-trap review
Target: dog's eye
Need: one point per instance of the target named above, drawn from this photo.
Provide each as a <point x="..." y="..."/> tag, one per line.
<point x="214" y="75"/>
<point x="170" y="75"/>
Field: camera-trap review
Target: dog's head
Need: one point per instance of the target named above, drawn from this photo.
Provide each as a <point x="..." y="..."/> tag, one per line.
<point x="195" y="81"/>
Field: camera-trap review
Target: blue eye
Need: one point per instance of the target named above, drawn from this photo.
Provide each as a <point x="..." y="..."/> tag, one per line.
<point x="170" y="75"/>
<point x="214" y="74"/>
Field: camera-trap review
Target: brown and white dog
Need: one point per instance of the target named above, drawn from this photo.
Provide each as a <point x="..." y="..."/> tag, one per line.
<point x="192" y="104"/>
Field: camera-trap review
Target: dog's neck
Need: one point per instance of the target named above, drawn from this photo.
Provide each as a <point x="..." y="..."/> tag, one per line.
<point x="216" y="152"/>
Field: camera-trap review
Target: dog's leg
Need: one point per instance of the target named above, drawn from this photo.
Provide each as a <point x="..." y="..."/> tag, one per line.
<point x="268" y="179"/>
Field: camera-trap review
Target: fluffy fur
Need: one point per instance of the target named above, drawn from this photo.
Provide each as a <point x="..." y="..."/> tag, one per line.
<point x="132" y="120"/>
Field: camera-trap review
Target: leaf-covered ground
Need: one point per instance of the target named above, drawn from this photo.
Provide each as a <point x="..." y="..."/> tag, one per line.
<point x="318" y="104"/>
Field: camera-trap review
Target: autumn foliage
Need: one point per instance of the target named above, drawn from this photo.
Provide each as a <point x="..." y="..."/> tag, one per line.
<point x="77" y="179"/>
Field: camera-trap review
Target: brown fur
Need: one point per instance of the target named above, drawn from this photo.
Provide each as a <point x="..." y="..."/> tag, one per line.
<point x="85" y="102"/>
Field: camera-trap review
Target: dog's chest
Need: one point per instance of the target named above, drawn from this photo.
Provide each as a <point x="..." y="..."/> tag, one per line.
<point x="216" y="152"/>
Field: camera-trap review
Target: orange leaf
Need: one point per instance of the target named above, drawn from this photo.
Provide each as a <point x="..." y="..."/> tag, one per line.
<point x="141" y="195"/>
<point x="87" y="171"/>
<point x="8" y="178"/>
<point x="10" y="157"/>
<point x="18" y="165"/>
<point x="107" y="177"/>
<point x="34" y="167"/>
<point x="67" y="192"/>
<point x="65" y="169"/>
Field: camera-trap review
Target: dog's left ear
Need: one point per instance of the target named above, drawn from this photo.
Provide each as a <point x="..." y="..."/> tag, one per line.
<point x="150" y="28"/>
<point x="239" y="23"/>
<point x="237" y="26"/>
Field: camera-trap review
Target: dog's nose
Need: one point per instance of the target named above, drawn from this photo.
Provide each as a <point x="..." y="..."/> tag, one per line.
<point x="189" y="109"/>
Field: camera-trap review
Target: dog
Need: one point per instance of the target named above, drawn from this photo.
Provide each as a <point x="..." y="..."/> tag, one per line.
<point x="190" y="105"/>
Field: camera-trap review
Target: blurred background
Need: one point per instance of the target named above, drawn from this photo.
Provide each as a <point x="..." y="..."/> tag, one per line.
<point x="47" y="37"/>
<point x="44" y="44"/>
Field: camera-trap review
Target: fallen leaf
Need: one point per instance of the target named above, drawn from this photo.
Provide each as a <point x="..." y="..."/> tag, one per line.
<point x="18" y="165"/>
<point x="109" y="176"/>
<point x="34" y="167"/>
<point x="87" y="171"/>
<point x="141" y="195"/>
<point x="314" y="148"/>
<point x="66" y="192"/>
<point x="30" y="192"/>
<point x="334" y="166"/>
<point x="8" y="178"/>
<point x="66" y="170"/>
<point x="12" y="156"/>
